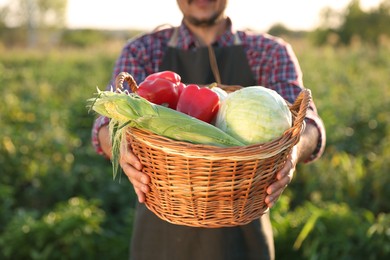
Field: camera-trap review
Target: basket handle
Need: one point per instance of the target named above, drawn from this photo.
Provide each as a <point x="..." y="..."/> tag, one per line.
<point x="229" y="88"/>
<point x="121" y="78"/>
<point x="300" y="105"/>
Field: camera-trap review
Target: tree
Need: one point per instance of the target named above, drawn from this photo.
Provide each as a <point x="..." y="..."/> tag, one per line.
<point x="278" y="30"/>
<point x="355" y="23"/>
<point x="35" y="16"/>
<point x="39" y="13"/>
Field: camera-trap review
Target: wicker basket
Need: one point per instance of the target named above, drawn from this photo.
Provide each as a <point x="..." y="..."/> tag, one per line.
<point x="207" y="186"/>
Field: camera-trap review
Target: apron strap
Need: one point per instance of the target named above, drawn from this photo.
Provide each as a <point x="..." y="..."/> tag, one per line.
<point x="214" y="64"/>
<point x="174" y="38"/>
<point x="213" y="59"/>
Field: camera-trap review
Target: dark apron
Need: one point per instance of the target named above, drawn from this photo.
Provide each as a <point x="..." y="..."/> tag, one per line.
<point x="155" y="239"/>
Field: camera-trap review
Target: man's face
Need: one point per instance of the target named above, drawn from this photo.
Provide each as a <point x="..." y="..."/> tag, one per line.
<point x="202" y="12"/>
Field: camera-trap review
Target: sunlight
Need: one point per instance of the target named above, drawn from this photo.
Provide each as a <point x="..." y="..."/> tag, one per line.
<point x="148" y="14"/>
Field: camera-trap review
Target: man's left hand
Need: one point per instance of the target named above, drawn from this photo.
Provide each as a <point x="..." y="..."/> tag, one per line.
<point x="283" y="178"/>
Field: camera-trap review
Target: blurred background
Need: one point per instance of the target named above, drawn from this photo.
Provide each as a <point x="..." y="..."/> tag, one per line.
<point x="58" y="199"/>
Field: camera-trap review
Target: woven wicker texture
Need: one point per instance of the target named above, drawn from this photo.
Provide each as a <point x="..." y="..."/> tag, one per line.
<point x="207" y="186"/>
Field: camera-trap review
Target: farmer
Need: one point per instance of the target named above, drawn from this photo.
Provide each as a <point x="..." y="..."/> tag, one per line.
<point x="242" y="58"/>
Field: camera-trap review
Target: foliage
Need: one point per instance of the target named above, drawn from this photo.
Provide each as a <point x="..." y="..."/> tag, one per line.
<point x="71" y="228"/>
<point x="85" y="38"/>
<point x="82" y="38"/>
<point x="47" y="159"/>
<point x="330" y="230"/>
<point x="35" y="22"/>
<point x="282" y="31"/>
<point x="58" y="197"/>
<point x="354" y="25"/>
<point x="35" y="13"/>
<point x="343" y="195"/>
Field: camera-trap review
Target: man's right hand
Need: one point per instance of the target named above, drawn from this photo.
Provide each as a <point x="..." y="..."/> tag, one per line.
<point x="132" y="167"/>
<point x="129" y="162"/>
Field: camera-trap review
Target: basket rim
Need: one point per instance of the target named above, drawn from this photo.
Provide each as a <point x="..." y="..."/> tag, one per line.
<point x="264" y="150"/>
<point x="192" y="150"/>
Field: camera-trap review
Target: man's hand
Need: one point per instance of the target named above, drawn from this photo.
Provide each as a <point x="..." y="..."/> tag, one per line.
<point x="283" y="178"/>
<point x="299" y="153"/>
<point x="132" y="167"/>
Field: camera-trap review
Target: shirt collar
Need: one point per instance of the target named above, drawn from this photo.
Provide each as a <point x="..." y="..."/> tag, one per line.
<point x="186" y="40"/>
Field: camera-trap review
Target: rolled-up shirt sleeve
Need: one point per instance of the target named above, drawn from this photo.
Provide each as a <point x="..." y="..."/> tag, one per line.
<point x="98" y="123"/>
<point x="280" y="71"/>
<point x="313" y="118"/>
<point x="127" y="61"/>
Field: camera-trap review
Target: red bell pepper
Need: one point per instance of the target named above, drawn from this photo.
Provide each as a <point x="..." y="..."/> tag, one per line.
<point x="159" y="91"/>
<point x="171" y="76"/>
<point x="201" y="103"/>
<point x="167" y="74"/>
<point x="154" y="89"/>
<point x="180" y="87"/>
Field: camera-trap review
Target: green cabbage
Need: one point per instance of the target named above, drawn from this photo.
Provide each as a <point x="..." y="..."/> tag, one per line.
<point x="254" y="115"/>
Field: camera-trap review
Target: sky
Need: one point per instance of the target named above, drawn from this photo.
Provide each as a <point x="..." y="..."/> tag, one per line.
<point x="148" y="14"/>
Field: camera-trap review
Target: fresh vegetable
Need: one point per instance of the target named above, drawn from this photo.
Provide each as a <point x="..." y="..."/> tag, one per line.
<point x="254" y="115"/>
<point x="159" y="91"/>
<point x="201" y="103"/>
<point x="133" y="110"/>
<point x="168" y="75"/>
<point x="171" y="76"/>
<point x="161" y="88"/>
<point x="222" y="94"/>
<point x="180" y="87"/>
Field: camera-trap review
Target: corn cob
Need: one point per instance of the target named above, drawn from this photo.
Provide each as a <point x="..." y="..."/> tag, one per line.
<point x="138" y="112"/>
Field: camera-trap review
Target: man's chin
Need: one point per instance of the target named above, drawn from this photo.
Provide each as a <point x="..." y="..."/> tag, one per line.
<point x="205" y="22"/>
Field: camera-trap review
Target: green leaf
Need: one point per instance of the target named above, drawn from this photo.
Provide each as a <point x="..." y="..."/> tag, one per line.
<point x="307" y="228"/>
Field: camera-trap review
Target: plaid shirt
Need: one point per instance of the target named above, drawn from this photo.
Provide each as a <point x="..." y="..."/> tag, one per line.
<point x="273" y="63"/>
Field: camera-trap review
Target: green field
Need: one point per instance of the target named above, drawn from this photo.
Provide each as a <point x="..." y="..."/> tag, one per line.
<point x="59" y="200"/>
